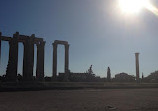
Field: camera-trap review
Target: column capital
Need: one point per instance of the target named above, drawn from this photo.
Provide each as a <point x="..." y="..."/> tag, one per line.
<point x="38" y="44"/>
<point x="137" y="53"/>
<point x="10" y="41"/>
<point x="43" y="43"/>
<point x="67" y="45"/>
<point x="54" y="44"/>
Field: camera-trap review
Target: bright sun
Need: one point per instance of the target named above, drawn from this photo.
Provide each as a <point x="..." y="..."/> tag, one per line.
<point x="133" y="6"/>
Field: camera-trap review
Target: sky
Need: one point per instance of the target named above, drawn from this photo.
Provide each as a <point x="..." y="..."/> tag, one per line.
<point x="97" y="31"/>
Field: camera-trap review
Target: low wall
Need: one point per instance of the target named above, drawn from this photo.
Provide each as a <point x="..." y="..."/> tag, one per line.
<point x="9" y="86"/>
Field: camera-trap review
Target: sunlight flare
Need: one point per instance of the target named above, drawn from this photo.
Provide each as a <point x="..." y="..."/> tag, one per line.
<point x="135" y="6"/>
<point x="132" y="6"/>
<point x="152" y="8"/>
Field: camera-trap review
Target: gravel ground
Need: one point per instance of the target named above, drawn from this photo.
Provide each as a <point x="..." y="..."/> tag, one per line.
<point x="81" y="100"/>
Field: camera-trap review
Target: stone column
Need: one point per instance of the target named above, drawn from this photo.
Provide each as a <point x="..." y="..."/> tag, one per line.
<point x="66" y="76"/>
<point x="11" y="71"/>
<point x="0" y="48"/>
<point x="66" y="58"/>
<point x="25" y="61"/>
<point x="108" y="74"/>
<point x="54" y="60"/>
<point x="137" y="66"/>
<point x="28" y="60"/>
<point x="40" y="61"/>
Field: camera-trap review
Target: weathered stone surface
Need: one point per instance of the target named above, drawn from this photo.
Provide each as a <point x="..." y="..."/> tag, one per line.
<point x="137" y="66"/>
<point x="11" y="72"/>
<point x="28" y="59"/>
<point x="66" y="58"/>
<point x="0" y="48"/>
<point x="40" y="61"/>
<point x="65" y="43"/>
<point x="54" y="60"/>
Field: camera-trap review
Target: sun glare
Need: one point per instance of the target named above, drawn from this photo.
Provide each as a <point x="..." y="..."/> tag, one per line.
<point x="133" y="6"/>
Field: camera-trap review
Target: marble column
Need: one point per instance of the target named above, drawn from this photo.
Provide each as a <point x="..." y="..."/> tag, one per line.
<point x="11" y="71"/>
<point x="40" y="61"/>
<point x="54" y="60"/>
<point x="137" y="66"/>
<point x="28" y="60"/>
<point x="66" y="58"/>
<point x="0" y="48"/>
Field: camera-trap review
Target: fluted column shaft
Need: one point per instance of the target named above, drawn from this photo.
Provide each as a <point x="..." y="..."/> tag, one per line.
<point x="28" y="60"/>
<point x="66" y="58"/>
<point x="137" y="66"/>
<point x="40" y="61"/>
<point x="11" y="71"/>
<point x="54" y="60"/>
<point x="0" y="49"/>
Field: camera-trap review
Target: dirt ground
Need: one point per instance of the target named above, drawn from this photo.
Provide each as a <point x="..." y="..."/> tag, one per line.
<point x="81" y="100"/>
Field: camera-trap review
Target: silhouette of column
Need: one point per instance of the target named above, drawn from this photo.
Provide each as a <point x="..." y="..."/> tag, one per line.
<point x="28" y="60"/>
<point x="137" y="66"/>
<point x="54" y="60"/>
<point x="25" y="57"/>
<point x="66" y="58"/>
<point x="40" y="61"/>
<point x="108" y="74"/>
<point x="0" y="48"/>
<point x="11" y="71"/>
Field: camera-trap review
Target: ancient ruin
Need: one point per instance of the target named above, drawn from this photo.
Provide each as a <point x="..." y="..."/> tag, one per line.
<point x="28" y="59"/>
<point x="29" y="43"/>
<point x="137" y="66"/>
<point x="55" y="44"/>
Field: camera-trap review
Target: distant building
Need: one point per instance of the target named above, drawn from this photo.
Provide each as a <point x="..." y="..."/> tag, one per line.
<point x="78" y="77"/>
<point x="124" y="77"/>
<point x="108" y="75"/>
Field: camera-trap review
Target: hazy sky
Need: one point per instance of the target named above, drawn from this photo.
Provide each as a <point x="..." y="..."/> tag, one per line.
<point x="97" y="31"/>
